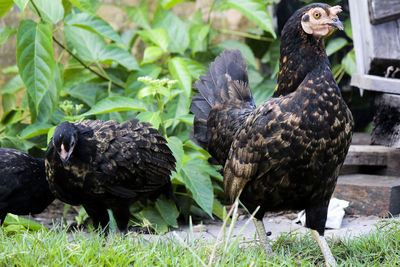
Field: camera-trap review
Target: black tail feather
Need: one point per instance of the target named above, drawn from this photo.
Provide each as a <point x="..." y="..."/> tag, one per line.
<point x="226" y="80"/>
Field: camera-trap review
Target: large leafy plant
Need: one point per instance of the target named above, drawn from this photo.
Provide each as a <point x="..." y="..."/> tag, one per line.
<point x="71" y="64"/>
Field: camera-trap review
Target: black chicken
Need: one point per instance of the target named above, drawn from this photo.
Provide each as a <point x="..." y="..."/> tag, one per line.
<point x="286" y="153"/>
<point x="107" y="165"/>
<point x="23" y="186"/>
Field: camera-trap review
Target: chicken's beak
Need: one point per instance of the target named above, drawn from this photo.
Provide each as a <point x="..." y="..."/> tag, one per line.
<point x="336" y="23"/>
<point x="64" y="155"/>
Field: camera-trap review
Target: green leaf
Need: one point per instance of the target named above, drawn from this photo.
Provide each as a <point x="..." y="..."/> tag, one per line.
<point x="50" y="134"/>
<point x="128" y="37"/>
<point x="255" y="11"/>
<point x="170" y="3"/>
<point x="210" y="170"/>
<point x="35" y="129"/>
<point x="86" y="44"/>
<point x="8" y="101"/>
<point x="91" y="47"/>
<point x="177" y="30"/>
<point x="181" y="73"/>
<point x="5" y="33"/>
<point x="182" y="106"/>
<point x="151" y="217"/>
<point x="176" y="146"/>
<point x="347" y="28"/>
<point x="21" y="4"/>
<point x="195" y="68"/>
<point x="50" y="98"/>
<point x="168" y="211"/>
<point x="244" y="49"/>
<point x="151" y="117"/>
<point x="35" y="58"/>
<point x="10" y="70"/>
<point x="139" y="15"/>
<point x="13" y="86"/>
<point x="85" y="5"/>
<point x="199" y="183"/>
<point x="118" y="55"/>
<point x="5" y="6"/>
<point x="197" y="34"/>
<point x="16" y="142"/>
<point x="335" y="45"/>
<point x="349" y="63"/>
<point x="12" y="116"/>
<point x="85" y="92"/>
<point x="94" y="24"/>
<point x="12" y="219"/>
<point x="186" y="118"/>
<point x="115" y="103"/>
<point x="152" y="54"/>
<point x="155" y="36"/>
<point x="76" y="74"/>
<point x="219" y="209"/>
<point x="67" y="7"/>
<point x="51" y="11"/>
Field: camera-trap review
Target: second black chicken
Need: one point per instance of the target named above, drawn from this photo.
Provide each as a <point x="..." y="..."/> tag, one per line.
<point x="108" y="165"/>
<point x="23" y="186"/>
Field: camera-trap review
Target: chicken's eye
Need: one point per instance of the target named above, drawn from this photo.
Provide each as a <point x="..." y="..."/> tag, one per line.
<point x="317" y="15"/>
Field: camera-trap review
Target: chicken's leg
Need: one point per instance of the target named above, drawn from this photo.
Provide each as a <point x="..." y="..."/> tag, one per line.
<point x="262" y="234"/>
<point x="329" y="259"/>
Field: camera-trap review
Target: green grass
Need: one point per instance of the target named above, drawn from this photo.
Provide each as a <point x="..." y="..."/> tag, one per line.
<point x="59" y="248"/>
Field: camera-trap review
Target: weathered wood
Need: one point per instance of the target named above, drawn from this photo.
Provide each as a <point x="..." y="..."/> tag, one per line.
<point x="372" y="159"/>
<point x="383" y="10"/>
<point x="369" y="155"/>
<point x="370" y="194"/>
<point x="372" y="41"/>
<point x="361" y="139"/>
<point x="376" y="83"/>
<point x="386" y="122"/>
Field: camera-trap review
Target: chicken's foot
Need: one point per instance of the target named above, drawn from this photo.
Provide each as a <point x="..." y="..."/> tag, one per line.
<point x="262" y="234"/>
<point x="326" y="251"/>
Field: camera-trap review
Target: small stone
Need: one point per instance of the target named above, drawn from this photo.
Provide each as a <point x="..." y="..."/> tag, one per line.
<point x="199" y="228"/>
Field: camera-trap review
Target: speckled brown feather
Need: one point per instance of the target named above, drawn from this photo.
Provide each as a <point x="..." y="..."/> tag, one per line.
<point x="112" y="165"/>
<point x="288" y="142"/>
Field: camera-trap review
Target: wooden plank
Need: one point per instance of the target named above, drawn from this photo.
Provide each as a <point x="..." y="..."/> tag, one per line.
<point x="361" y="139"/>
<point x="383" y="10"/>
<point x="372" y="41"/>
<point x="369" y="155"/>
<point x="376" y="83"/>
<point x="369" y="194"/>
<point x="385" y="39"/>
<point x="361" y="32"/>
<point x="372" y="159"/>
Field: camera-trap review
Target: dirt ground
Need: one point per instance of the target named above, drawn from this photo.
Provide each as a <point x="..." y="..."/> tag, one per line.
<point x="277" y="223"/>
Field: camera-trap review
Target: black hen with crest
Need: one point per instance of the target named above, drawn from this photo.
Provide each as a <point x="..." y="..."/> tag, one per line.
<point x="108" y="165"/>
<point x="286" y="153"/>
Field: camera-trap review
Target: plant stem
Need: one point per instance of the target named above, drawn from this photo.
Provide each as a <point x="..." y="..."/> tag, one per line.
<point x="246" y="35"/>
<point x="161" y="109"/>
<point x="76" y="57"/>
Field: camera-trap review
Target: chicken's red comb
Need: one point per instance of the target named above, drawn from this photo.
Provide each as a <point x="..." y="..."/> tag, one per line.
<point x="335" y="10"/>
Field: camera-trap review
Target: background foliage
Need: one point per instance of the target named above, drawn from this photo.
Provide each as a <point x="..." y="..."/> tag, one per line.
<point x="71" y="64"/>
